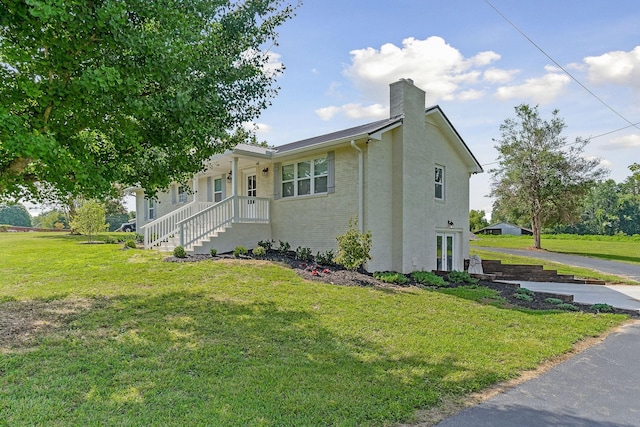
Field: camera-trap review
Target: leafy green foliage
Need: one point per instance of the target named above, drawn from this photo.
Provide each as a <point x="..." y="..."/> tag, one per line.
<point x="602" y="308"/>
<point x="14" y="214"/>
<point x="90" y="219"/>
<point x="213" y="252"/>
<point x="428" y="278"/>
<point x="259" y="252"/>
<point x="391" y="277"/>
<point x="239" y="251"/>
<point x="524" y="294"/>
<point x="477" y="220"/>
<point x="179" y="252"/>
<point x="567" y="307"/>
<point x="540" y="176"/>
<point x="266" y="244"/>
<point x="303" y="254"/>
<point x="134" y="92"/>
<point x="553" y="300"/>
<point x="354" y="247"/>
<point x="325" y="258"/>
<point x="284" y="247"/>
<point x="130" y="243"/>
<point x="461" y="277"/>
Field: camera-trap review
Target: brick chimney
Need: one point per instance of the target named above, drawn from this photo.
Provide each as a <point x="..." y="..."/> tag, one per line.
<point x="406" y="98"/>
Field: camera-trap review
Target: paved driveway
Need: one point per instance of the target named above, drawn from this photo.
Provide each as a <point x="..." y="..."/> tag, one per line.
<point x="598" y="387"/>
<point x="610" y="267"/>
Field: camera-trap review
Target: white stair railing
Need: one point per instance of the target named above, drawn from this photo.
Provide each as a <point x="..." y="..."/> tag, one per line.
<point x="159" y="230"/>
<point x="204" y="223"/>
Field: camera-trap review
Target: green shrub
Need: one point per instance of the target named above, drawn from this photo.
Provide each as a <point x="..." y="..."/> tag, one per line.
<point x="4" y="228"/>
<point x="110" y="240"/>
<point x="567" y="307"/>
<point x="259" y="251"/>
<point x="391" y="277"/>
<point x="131" y="244"/>
<point x="213" y="252"/>
<point x="240" y="250"/>
<point x="325" y="258"/>
<point x="266" y="244"/>
<point x="428" y="278"/>
<point x="354" y="247"/>
<point x="525" y="291"/>
<point x="460" y="277"/>
<point x="523" y="297"/>
<point x="303" y="254"/>
<point x="284" y="247"/>
<point x="179" y="252"/>
<point x="139" y="238"/>
<point x="602" y="308"/>
<point x="554" y="301"/>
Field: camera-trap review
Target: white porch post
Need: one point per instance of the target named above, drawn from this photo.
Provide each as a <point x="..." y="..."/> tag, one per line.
<point x="234" y="187"/>
<point x="195" y="188"/>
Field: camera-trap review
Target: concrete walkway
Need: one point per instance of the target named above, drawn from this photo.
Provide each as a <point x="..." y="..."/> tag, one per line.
<point x="621" y="296"/>
<point x="598" y="387"/>
<point x="630" y="271"/>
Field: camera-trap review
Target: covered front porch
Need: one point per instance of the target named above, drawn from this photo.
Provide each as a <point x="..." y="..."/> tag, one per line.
<point x="235" y="188"/>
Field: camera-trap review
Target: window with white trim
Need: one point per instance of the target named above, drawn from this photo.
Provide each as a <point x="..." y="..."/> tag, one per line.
<point x="439" y="183"/>
<point x="217" y="190"/>
<point x="182" y="194"/>
<point x="151" y="209"/>
<point x="304" y="178"/>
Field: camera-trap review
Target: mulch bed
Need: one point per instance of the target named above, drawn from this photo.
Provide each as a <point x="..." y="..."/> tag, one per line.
<point x="339" y="276"/>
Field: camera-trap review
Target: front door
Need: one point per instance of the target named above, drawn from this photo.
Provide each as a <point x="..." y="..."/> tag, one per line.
<point x="250" y="191"/>
<point x="445" y="251"/>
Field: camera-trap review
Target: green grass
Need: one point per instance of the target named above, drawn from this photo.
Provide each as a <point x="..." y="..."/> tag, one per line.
<point x="613" y="248"/>
<point x="119" y="337"/>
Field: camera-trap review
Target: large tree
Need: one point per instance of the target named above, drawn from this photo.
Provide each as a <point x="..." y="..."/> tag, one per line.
<point x="14" y="214"/>
<point x="539" y="172"/>
<point x="136" y="92"/>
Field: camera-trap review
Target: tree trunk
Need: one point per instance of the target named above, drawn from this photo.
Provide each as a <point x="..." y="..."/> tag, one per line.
<point x="535" y="223"/>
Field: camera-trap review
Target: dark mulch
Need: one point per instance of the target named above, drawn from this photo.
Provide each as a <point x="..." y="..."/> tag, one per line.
<point x="339" y="276"/>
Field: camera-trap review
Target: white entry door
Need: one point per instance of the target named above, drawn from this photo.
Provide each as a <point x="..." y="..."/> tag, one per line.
<point x="445" y="251"/>
<point x="250" y="191"/>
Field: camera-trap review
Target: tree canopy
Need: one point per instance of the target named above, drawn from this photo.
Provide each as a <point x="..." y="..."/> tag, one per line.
<point x="135" y="93"/>
<point x="14" y="214"/>
<point x="540" y="175"/>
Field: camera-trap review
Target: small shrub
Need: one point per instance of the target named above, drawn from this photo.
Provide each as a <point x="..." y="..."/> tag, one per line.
<point x="179" y="252"/>
<point x="284" y="247"/>
<point x="131" y="244"/>
<point x="239" y="251"/>
<point x="259" y="251"/>
<point x="110" y="240"/>
<point x="555" y="301"/>
<point x="525" y="291"/>
<point x="213" y="252"/>
<point x="4" y="228"/>
<point x="266" y="244"/>
<point x="602" y="308"/>
<point x="325" y="258"/>
<point x="460" y="277"/>
<point x="139" y="238"/>
<point x="303" y="254"/>
<point x="523" y="297"/>
<point x="354" y="247"/>
<point x="428" y="278"/>
<point x="567" y="307"/>
<point x="391" y="277"/>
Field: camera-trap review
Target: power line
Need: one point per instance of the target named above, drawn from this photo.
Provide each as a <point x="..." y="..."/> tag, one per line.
<point x="631" y="124"/>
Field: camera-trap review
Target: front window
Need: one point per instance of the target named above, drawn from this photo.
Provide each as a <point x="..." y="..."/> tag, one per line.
<point x="439" y="183"/>
<point x="151" y="214"/>
<point x="217" y="190"/>
<point x="182" y="194"/>
<point x="306" y="177"/>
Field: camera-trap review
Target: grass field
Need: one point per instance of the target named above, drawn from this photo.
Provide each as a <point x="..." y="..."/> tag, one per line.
<point x="97" y="335"/>
<point x="614" y="248"/>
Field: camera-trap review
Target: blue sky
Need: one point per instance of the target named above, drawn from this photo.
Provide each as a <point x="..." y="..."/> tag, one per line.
<point x="340" y="57"/>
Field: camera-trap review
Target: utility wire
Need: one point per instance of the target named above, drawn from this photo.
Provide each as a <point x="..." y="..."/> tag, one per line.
<point x="631" y="124"/>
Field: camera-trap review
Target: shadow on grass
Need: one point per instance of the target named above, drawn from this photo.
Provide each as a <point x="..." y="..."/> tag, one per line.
<point x="189" y="359"/>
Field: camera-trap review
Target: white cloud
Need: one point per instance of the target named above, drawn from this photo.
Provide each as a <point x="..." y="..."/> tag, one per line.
<point x="258" y="128"/>
<point x="470" y="95"/>
<point x="434" y="66"/>
<point x="354" y="111"/>
<point x="496" y="75"/>
<point x="624" y="142"/>
<point x="618" y="67"/>
<point x="541" y="90"/>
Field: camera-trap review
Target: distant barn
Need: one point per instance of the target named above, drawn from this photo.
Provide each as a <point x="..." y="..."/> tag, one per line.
<point x="505" y="228"/>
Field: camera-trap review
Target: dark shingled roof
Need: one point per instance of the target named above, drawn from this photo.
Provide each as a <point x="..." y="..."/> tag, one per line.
<point x="345" y="134"/>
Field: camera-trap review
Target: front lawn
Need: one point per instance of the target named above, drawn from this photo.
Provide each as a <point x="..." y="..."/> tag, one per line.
<point x="97" y="335"/>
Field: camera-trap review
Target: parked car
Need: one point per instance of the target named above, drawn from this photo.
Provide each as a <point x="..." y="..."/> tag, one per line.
<point x="128" y="226"/>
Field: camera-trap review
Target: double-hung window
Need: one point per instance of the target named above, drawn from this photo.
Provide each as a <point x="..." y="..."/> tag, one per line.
<point x="304" y="178"/>
<point x="439" y="183"/>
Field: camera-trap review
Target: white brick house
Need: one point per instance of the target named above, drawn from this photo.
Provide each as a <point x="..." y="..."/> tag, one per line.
<point x="406" y="178"/>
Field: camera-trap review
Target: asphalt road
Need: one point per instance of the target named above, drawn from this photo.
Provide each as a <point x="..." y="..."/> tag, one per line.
<point x="610" y="267"/>
<point x="598" y="387"/>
